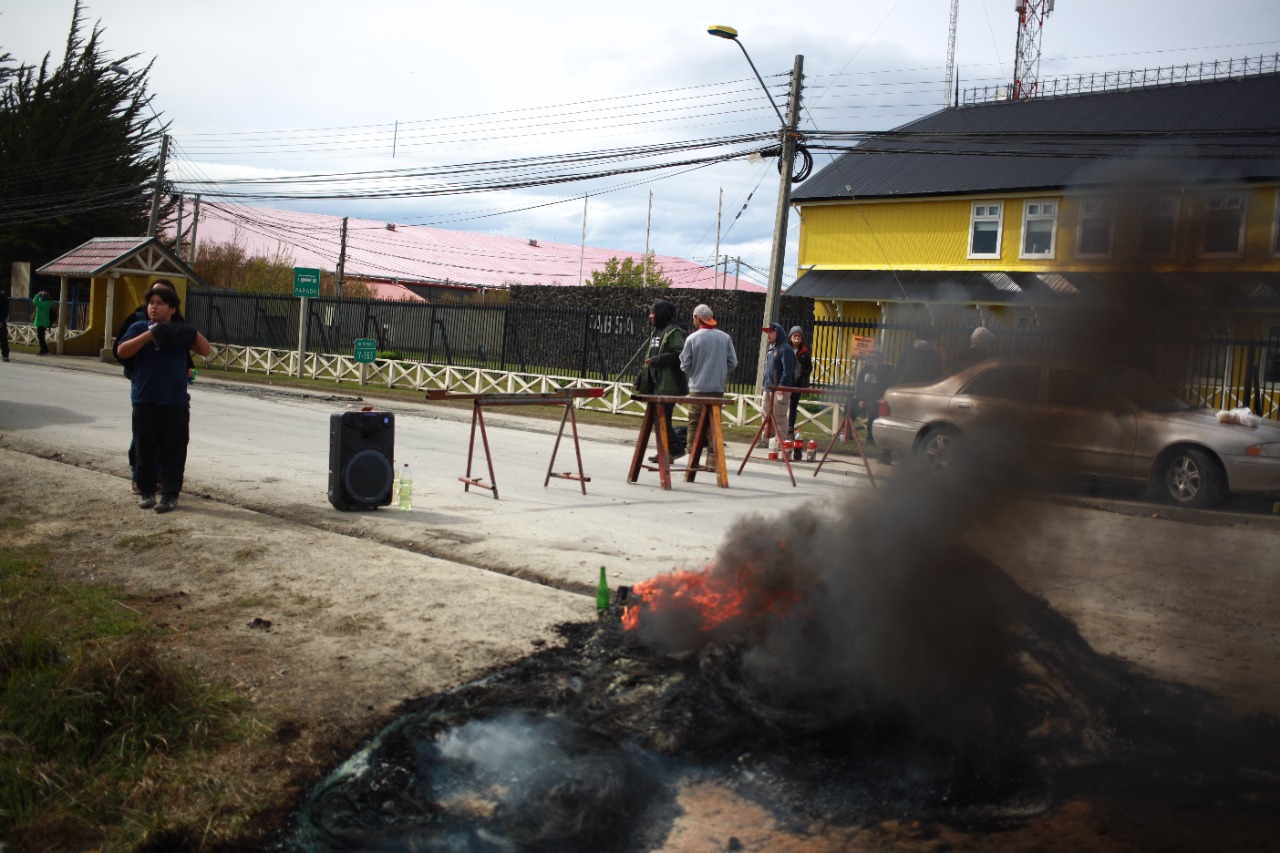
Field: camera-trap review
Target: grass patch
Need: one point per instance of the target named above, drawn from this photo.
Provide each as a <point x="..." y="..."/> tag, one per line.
<point x="147" y="541"/>
<point x="104" y="744"/>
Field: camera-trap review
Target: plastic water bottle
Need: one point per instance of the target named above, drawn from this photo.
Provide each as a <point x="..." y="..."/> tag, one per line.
<point x="406" y="488"/>
<point x="602" y="593"/>
<point x="395" y="481"/>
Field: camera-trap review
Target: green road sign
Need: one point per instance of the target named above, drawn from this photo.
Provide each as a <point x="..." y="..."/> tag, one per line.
<point x="366" y="350"/>
<point x="306" y="282"/>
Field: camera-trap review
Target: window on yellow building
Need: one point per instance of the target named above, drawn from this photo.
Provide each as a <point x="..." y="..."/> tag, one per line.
<point x="1158" y="226"/>
<point x="1224" y="223"/>
<point x="985" y="218"/>
<point x="1039" y="228"/>
<point x="1097" y="222"/>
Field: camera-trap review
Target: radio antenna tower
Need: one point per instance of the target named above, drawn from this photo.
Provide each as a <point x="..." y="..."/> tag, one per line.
<point x="951" y="55"/>
<point x="1026" y="59"/>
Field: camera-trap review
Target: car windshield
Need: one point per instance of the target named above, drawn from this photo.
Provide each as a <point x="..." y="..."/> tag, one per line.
<point x="1146" y="393"/>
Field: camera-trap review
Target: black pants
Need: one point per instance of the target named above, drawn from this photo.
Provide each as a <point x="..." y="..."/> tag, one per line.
<point x="674" y="442"/>
<point x="162" y="433"/>
<point x="41" y="331"/>
<point x="4" y="340"/>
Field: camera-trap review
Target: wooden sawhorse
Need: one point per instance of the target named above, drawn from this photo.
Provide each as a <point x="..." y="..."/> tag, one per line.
<point x="565" y="396"/>
<point x="710" y="419"/>
<point x="768" y="429"/>
<point x="847" y="425"/>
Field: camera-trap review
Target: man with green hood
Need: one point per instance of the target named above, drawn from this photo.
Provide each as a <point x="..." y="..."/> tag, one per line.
<point x="662" y="374"/>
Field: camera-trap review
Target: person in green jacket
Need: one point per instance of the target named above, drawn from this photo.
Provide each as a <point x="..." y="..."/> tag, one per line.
<point x="42" y="308"/>
<point x="661" y="374"/>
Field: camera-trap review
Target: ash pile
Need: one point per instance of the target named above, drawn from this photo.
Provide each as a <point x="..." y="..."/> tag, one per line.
<point x="838" y="669"/>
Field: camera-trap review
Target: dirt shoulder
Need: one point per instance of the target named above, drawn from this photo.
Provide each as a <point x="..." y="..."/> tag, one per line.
<point x="326" y="633"/>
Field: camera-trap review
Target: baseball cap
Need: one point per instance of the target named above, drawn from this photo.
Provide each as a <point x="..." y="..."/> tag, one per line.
<point x="703" y="313"/>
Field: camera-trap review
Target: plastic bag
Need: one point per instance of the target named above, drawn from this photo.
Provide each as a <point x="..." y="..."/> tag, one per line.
<point x="1241" y="415"/>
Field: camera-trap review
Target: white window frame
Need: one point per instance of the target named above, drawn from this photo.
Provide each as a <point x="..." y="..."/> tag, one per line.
<point x="1147" y="215"/>
<point x="1223" y="201"/>
<point x="1033" y="211"/>
<point x="986" y="216"/>
<point x="1102" y="207"/>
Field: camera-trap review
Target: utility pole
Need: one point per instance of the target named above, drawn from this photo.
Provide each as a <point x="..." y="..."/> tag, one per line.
<point x="719" y="207"/>
<point x="155" y="195"/>
<point x="177" y="245"/>
<point x="582" y="250"/>
<point x="342" y="257"/>
<point x="647" y="223"/>
<point x="773" y="296"/>
<point x="737" y="271"/>
<point x="195" y="223"/>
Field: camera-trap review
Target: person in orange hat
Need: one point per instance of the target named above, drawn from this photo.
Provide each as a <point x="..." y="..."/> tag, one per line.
<point x="707" y="359"/>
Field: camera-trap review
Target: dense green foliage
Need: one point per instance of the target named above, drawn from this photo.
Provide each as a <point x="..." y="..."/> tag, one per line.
<point x="79" y="149"/>
<point x="628" y="273"/>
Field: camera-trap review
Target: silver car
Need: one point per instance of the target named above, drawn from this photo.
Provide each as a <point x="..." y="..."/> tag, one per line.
<point x="1108" y="424"/>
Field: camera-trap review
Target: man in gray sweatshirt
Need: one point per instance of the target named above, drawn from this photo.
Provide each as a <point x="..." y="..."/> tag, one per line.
<point x="707" y="358"/>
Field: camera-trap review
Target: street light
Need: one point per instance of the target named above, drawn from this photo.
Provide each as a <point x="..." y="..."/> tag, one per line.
<point x="121" y="70"/>
<point x="773" y="294"/>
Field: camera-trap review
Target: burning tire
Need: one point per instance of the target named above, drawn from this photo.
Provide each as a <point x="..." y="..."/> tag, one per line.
<point x="938" y="448"/>
<point x="1191" y="477"/>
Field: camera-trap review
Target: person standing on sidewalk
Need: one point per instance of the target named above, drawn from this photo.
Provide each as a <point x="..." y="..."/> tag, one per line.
<point x="41" y="309"/>
<point x="779" y="371"/>
<point x="804" y="367"/>
<point x="161" y="402"/>
<point x="661" y="375"/>
<point x="707" y="359"/>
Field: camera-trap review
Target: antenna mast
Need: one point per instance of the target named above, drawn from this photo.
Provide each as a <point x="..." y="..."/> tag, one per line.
<point x="1026" y="59"/>
<point x="951" y="54"/>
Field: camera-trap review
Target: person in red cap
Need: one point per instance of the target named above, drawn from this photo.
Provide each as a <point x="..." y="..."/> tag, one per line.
<point x="707" y="359"/>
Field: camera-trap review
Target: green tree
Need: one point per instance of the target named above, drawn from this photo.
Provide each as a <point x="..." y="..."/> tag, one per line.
<point x="78" y="151"/>
<point x="628" y="273"/>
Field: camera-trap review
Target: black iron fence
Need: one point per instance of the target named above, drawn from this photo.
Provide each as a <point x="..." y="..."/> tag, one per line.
<point x="602" y="345"/>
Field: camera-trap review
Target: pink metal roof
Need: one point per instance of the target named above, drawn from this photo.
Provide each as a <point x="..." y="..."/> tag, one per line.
<point x="94" y="257"/>
<point x="378" y="250"/>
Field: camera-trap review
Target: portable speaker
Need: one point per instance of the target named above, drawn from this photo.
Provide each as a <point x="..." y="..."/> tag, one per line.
<point x="361" y="449"/>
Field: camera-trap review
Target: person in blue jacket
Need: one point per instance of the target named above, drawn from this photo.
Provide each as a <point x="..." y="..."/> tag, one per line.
<point x="161" y="402"/>
<point x="779" y="371"/>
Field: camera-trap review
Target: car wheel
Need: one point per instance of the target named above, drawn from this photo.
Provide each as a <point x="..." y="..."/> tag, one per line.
<point x="1192" y="478"/>
<point x="938" y="448"/>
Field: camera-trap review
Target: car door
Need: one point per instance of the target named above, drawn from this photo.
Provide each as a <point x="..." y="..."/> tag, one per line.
<point x="1088" y="427"/>
<point x="1001" y="399"/>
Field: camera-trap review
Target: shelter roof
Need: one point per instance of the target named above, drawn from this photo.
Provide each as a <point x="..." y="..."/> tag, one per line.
<point x="125" y="255"/>
<point x="1222" y="130"/>
<point x="414" y="254"/>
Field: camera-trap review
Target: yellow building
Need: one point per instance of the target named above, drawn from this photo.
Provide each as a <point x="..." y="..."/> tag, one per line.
<point x="1002" y="213"/>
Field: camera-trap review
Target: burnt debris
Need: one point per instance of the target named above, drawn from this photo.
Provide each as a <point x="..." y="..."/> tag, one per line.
<point x="584" y="746"/>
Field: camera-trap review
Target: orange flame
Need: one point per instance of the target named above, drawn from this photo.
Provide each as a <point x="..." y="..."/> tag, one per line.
<point x="715" y="596"/>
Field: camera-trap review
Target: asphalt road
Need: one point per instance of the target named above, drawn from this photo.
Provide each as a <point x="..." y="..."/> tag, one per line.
<point x="1192" y="595"/>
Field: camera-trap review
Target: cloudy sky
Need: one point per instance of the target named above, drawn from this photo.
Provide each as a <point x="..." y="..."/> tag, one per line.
<point x="271" y="89"/>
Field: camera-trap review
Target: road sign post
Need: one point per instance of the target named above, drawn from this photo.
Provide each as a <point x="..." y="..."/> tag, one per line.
<point x="306" y="284"/>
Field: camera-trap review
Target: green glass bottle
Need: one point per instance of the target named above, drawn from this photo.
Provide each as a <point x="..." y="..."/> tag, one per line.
<point x="602" y="593"/>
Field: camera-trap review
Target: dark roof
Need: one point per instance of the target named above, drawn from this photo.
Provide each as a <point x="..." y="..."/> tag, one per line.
<point x="100" y="255"/>
<point x="1224" y="130"/>
<point x="1254" y="290"/>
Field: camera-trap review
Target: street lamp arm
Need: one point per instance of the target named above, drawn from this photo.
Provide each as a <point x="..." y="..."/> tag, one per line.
<point x="772" y="103"/>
